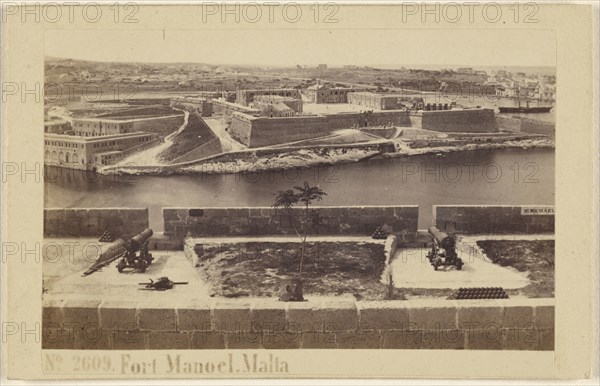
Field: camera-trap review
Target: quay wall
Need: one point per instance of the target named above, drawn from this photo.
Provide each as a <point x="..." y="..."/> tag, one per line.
<point x="261" y="221"/>
<point x="507" y="324"/>
<point x="92" y="222"/>
<point x="473" y="219"/>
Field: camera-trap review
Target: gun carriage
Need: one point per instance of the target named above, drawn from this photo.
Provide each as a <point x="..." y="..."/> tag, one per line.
<point x="443" y="250"/>
<point x="132" y="259"/>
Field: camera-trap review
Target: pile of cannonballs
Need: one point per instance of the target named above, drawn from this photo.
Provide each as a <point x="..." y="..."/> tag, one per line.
<point x="380" y="234"/>
<point x="480" y="293"/>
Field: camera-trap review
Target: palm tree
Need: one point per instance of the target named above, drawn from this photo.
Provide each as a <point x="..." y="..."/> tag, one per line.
<point x="305" y="195"/>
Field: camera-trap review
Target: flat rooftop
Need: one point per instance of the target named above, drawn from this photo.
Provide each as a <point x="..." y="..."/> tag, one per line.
<point x="99" y="138"/>
<point x="331" y="108"/>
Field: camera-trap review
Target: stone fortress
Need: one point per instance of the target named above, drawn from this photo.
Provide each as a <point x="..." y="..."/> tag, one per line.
<point x="261" y="118"/>
<point x="274" y="116"/>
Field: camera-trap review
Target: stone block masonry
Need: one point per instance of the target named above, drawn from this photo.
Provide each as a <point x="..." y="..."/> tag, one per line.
<point x="459" y="121"/>
<point x="267" y="221"/>
<point x="92" y="222"/>
<point x="526" y="125"/>
<point x="261" y="131"/>
<point x="511" y="324"/>
<point x="485" y="219"/>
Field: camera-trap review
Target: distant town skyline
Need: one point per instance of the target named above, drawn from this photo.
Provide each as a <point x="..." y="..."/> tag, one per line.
<point x="434" y="48"/>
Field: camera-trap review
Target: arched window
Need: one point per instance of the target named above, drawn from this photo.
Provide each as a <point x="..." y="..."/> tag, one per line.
<point x="61" y="157"/>
<point x="54" y="156"/>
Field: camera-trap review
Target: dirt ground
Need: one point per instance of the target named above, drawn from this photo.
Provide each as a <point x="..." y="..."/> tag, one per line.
<point x="257" y="269"/>
<point x="533" y="257"/>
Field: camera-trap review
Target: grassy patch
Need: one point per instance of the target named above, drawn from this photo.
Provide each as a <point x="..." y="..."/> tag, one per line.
<point x="196" y="133"/>
<point x="258" y="268"/>
<point x="536" y="257"/>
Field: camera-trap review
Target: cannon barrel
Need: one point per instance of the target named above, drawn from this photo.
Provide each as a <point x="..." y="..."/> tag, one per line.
<point x="442" y="238"/>
<point x="138" y="240"/>
<point x="118" y="248"/>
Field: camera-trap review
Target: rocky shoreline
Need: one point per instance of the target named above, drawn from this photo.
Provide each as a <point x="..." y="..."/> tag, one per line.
<point x="306" y="158"/>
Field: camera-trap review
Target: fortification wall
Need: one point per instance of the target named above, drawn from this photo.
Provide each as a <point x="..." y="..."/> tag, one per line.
<point x="93" y="222"/>
<point x="507" y="123"/>
<point x="255" y="132"/>
<point x="526" y="125"/>
<point x="269" y="221"/>
<point x="511" y="324"/>
<point x="461" y="121"/>
<point x="494" y="219"/>
<point x="535" y="126"/>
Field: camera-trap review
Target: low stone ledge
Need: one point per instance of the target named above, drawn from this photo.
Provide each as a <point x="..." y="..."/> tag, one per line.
<point x="513" y="324"/>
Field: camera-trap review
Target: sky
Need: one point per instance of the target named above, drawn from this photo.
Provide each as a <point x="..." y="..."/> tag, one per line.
<point x="360" y="47"/>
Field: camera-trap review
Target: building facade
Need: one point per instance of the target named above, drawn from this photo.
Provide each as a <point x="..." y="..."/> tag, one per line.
<point x="277" y="106"/>
<point x="375" y="101"/>
<point x="325" y="93"/>
<point x="82" y="152"/>
<point x="93" y="127"/>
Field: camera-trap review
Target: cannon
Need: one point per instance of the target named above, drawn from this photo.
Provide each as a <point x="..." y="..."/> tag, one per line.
<point x="448" y="256"/>
<point x="131" y="259"/>
<point x="125" y="250"/>
<point x="161" y="284"/>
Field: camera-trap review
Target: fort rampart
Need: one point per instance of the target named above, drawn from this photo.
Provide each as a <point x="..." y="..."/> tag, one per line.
<point x="262" y="131"/>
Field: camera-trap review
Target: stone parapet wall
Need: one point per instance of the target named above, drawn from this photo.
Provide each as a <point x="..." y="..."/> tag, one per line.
<point x="510" y="324"/>
<point x="93" y="222"/>
<point x="261" y="221"/>
<point x="472" y="219"/>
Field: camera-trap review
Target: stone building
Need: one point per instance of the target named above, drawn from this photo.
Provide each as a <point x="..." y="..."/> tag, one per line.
<point x="326" y="93"/>
<point x="89" y="152"/>
<point x="56" y="126"/>
<point x="93" y="127"/>
<point x="277" y="106"/>
<point x="375" y="101"/>
<point x="245" y="97"/>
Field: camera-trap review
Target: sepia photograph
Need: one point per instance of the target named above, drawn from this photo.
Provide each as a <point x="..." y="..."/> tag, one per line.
<point x="298" y="190"/>
<point x="220" y="197"/>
